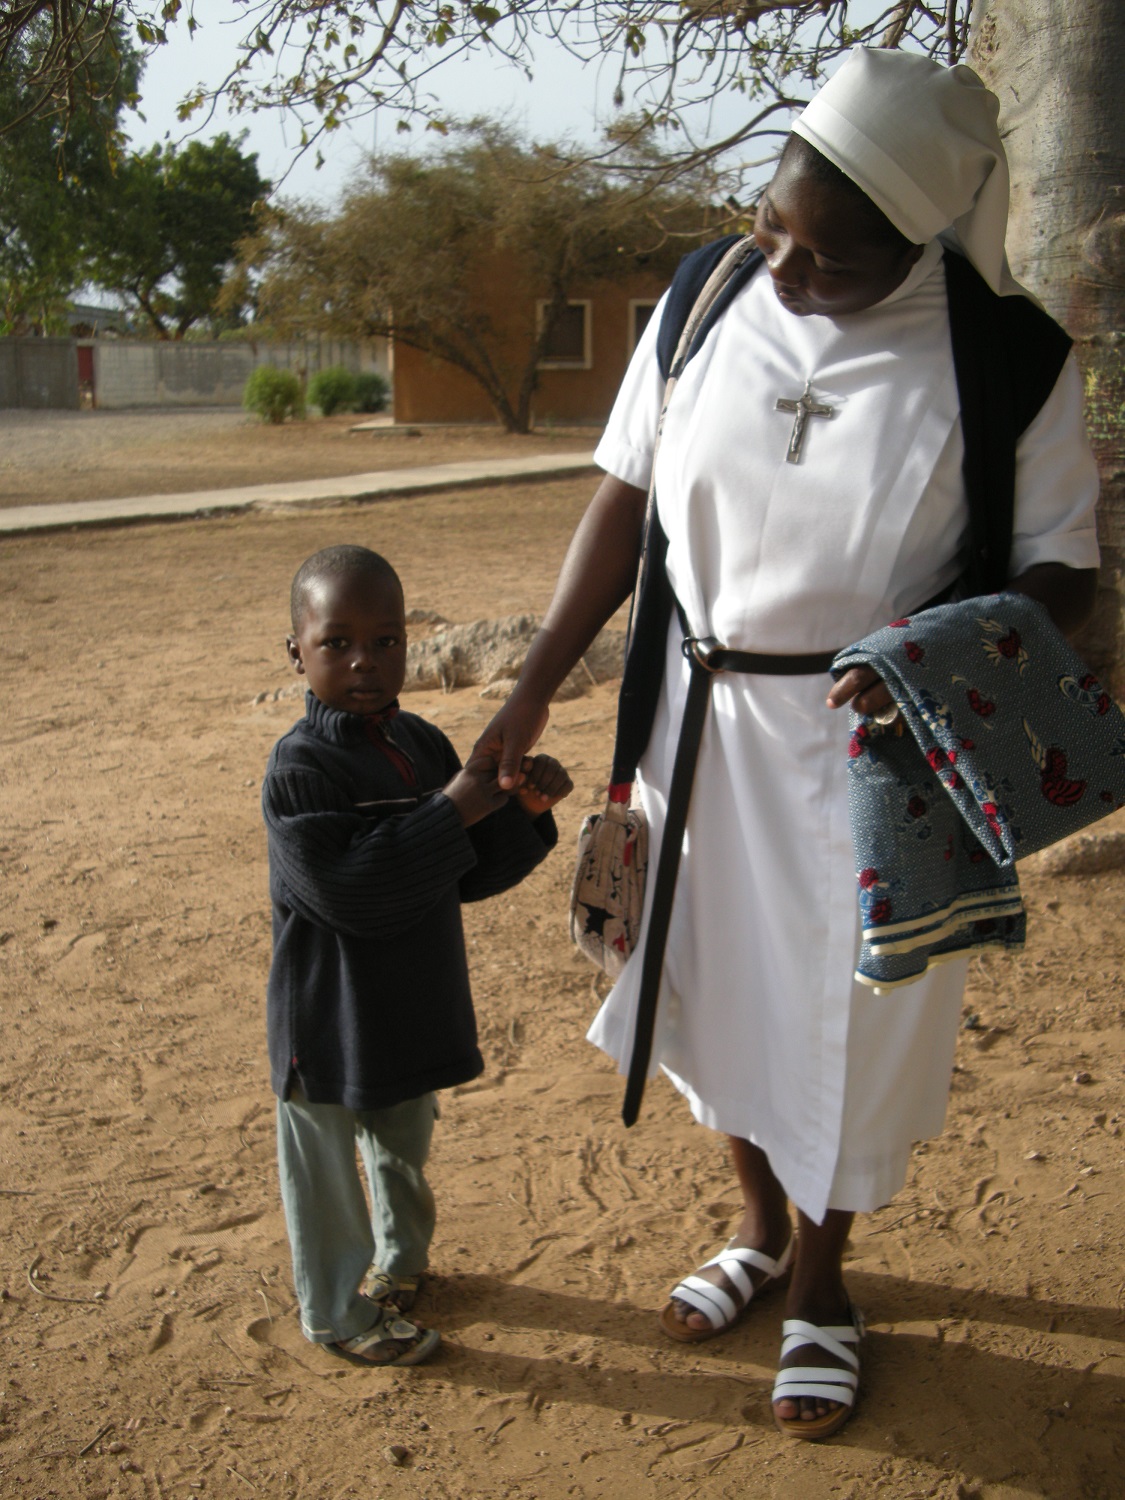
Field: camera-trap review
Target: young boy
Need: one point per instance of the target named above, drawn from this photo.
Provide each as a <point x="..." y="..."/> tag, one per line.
<point x="376" y="836"/>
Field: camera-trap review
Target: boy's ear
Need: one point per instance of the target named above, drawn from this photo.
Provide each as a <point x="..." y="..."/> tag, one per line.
<point x="293" y="651"/>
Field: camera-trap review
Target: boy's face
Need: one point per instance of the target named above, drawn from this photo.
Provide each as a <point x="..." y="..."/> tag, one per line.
<point x="351" y="643"/>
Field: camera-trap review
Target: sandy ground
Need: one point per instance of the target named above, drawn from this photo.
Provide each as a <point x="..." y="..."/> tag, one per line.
<point x="149" y="1345"/>
<point x="51" y="456"/>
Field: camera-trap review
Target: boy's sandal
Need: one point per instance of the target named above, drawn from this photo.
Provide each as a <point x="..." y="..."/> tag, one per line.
<point x="820" y="1382"/>
<point x="392" y="1341"/>
<point x="715" y="1303"/>
<point x="391" y="1291"/>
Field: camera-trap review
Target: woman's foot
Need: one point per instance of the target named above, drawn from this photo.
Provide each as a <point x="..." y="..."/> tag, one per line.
<point x="736" y="1279"/>
<point x="820" y="1333"/>
<point x="765" y="1228"/>
<point x="819" y="1363"/>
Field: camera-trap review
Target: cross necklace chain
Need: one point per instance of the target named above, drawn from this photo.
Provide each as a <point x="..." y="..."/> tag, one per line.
<point x="803" y="407"/>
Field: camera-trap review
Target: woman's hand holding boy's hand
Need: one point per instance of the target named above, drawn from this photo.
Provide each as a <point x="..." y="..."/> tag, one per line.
<point x="475" y="791"/>
<point x="544" y="783"/>
<point x="510" y="734"/>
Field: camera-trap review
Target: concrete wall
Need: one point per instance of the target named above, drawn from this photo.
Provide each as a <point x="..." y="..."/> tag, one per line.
<point x="39" y="373"/>
<point x="129" y="372"/>
<point x="141" y="372"/>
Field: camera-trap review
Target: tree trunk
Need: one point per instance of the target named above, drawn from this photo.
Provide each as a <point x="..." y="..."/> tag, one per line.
<point x="1057" y="67"/>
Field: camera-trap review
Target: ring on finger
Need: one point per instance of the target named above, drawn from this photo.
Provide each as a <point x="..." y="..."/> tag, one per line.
<point x="887" y="715"/>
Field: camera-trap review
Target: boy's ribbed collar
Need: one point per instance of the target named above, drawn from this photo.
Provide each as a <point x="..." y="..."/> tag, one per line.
<point x="333" y="724"/>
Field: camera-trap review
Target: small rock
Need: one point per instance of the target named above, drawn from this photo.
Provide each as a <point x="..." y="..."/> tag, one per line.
<point x="1035" y="1156"/>
<point x="1083" y="1077"/>
<point x="397" y="1454"/>
<point x="115" y="1447"/>
<point x="973" y="1022"/>
<point x="1085" y="854"/>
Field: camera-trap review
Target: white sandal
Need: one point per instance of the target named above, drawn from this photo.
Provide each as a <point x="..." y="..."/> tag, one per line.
<point x="821" y="1382"/>
<point x="715" y="1303"/>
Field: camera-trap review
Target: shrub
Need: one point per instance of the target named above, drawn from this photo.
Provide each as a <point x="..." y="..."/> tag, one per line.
<point x="333" y="390"/>
<point x="273" y="394"/>
<point x="371" y="391"/>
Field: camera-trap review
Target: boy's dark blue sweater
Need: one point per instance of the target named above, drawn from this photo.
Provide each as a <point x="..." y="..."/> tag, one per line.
<point x="368" y="1001"/>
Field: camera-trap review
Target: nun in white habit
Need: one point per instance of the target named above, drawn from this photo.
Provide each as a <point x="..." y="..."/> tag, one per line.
<point x="821" y="1084"/>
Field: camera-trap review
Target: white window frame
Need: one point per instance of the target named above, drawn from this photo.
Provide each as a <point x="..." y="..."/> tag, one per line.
<point x="586" y="361"/>
<point x="634" y="303"/>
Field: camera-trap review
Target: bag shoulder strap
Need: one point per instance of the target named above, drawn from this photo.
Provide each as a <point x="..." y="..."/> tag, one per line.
<point x="714" y="273"/>
<point x="692" y="275"/>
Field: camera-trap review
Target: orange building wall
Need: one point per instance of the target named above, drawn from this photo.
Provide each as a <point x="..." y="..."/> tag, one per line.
<point x="430" y="390"/>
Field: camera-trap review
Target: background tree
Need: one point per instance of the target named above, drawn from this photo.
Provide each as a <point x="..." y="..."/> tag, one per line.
<point x="1057" y="66"/>
<point x="166" y="235"/>
<point x="68" y="53"/>
<point x="409" y="251"/>
<point x="55" y="172"/>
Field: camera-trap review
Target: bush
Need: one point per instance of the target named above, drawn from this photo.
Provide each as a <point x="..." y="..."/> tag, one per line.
<point x="273" y="394"/>
<point x="333" y="390"/>
<point x="371" y="391"/>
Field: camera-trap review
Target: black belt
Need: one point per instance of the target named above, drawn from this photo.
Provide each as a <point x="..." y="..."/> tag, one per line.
<point x="706" y="658"/>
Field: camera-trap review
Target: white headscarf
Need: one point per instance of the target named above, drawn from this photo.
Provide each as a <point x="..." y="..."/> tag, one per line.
<point x="921" y="141"/>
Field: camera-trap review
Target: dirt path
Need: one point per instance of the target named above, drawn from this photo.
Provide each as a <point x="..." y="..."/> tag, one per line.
<point x="148" y="1341"/>
<point x="49" y="457"/>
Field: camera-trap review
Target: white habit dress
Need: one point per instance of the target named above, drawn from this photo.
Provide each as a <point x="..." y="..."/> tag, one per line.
<point x="760" y="1023"/>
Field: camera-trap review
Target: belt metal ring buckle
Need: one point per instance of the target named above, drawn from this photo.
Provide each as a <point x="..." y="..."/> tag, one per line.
<point x="701" y="650"/>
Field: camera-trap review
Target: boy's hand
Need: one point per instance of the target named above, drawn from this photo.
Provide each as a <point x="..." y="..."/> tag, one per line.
<point x="544" y="782"/>
<point x="475" y="791"/>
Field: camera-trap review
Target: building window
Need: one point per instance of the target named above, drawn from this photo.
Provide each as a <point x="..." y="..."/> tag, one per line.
<point x="568" y="347"/>
<point x="640" y="311"/>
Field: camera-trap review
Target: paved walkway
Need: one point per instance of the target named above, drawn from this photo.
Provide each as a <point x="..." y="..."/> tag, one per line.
<point x="380" y="485"/>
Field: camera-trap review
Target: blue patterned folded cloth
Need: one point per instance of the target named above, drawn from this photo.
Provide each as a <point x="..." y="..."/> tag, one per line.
<point x="1010" y="745"/>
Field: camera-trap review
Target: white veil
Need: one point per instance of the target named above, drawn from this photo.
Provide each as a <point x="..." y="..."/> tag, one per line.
<point x="922" y="142"/>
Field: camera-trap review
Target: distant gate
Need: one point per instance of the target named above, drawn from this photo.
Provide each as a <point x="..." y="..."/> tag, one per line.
<point x="39" y="373"/>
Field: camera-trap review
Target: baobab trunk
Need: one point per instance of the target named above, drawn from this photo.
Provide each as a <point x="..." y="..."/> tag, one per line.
<point x="1057" y="67"/>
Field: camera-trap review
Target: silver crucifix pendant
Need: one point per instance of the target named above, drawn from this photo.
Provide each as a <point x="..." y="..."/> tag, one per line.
<point x="803" y="408"/>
